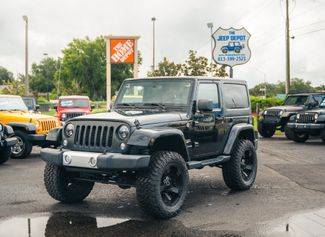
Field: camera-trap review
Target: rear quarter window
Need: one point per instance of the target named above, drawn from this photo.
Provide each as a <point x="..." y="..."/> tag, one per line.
<point x="235" y="96"/>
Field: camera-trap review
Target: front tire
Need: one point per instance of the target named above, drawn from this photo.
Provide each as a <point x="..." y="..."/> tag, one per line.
<point x="266" y="131"/>
<point x="4" y="155"/>
<point x="62" y="187"/>
<point x="289" y="133"/>
<point x="23" y="146"/>
<point x="300" y="137"/>
<point x="239" y="172"/>
<point x="162" y="190"/>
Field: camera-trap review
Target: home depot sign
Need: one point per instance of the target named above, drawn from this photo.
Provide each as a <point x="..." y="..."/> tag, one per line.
<point x="120" y="49"/>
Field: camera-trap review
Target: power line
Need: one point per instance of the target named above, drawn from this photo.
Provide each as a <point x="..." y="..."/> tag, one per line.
<point x="304" y="26"/>
<point x="310" y="32"/>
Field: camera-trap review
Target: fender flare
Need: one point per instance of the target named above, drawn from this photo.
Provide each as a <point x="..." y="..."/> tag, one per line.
<point x="8" y="131"/>
<point x="147" y="137"/>
<point x="54" y="135"/>
<point x="234" y="133"/>
<point x="28" y="127"/>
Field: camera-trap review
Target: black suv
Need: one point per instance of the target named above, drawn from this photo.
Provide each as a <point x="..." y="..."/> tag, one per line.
<point x="276" y="118"/>
<point x="158" y="129"/>
<point x="6" y="142"/>
<point x="307" y="123"/>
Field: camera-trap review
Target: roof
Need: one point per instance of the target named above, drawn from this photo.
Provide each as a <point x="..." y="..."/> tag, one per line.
<point x="308" y="93"/>
<point x="10" y="96"/>
<point x="188" y="77"/>
<point x="73" y="97"/>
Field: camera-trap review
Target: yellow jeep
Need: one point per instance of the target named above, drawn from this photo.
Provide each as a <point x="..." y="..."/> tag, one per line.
<point x="30" y="128"/>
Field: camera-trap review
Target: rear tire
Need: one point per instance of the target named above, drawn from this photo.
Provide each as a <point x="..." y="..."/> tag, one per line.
<point x="239" y="172"/>
<point x="62" y="187"/>
<point x="300" y="137"/>
<point x="266" y="131"/>
<point x="23" y="146"/>
<point x="4" y="155"/>
<point x="161" y="191"/>
<point x="289" y="133"/>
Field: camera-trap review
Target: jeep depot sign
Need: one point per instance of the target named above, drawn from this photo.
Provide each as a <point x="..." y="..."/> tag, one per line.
<point x="231" y="46"/>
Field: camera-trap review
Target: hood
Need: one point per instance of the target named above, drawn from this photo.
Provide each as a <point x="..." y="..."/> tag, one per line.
<point x="287" y="108"/>
<point x="316" y="110"/>
<point x="74" y="110"/>
<point x="131" y="116"/>
<point x="27" y="115"/>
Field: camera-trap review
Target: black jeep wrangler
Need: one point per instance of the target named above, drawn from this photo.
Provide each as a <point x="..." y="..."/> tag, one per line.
<point x="308" y="123"/>
<point x="158" y="129"/>
<point x="276" y="118"/>
<point x="6" y="142"/>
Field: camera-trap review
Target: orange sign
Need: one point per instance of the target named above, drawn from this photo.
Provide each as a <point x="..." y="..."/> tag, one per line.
<point x="122" y="50"/>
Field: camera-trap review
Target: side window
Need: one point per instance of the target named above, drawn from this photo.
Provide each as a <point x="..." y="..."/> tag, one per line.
<point x="235" y="96"/>
<point x="209" y="91"/>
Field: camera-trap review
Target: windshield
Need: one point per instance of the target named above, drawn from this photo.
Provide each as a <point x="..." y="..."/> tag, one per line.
<point x="12" y="103"/>
<point x="68" y="103"/>
<point x="296" y="100"/>
<point x="169" y="92"/>
<point x="29" y="103"/>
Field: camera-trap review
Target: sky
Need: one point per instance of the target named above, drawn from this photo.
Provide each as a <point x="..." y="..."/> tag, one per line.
<point x="180" y="27"/>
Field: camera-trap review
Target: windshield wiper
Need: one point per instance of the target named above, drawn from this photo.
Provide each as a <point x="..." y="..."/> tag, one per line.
<point x="127" y="105"/>
<point x="161" y="106"/>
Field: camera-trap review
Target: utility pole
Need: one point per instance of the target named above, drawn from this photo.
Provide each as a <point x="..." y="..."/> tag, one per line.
<point x="287" y="40"/>
<point x="210" y="25"/>
<point x="25" y="18"/>
<point x="153" y="19"/>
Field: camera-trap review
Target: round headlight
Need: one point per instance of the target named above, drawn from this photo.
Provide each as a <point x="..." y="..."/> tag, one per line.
<point x="1" y="127"/>
<point x="316" y="116"/>
<point x="123" y="132"/>
<point x="63" y="116"/>
<point x="265" y="112"/>
<point x="69" y="129"/>
<point x="298" y="116"/>
<point x="281" y="112"/>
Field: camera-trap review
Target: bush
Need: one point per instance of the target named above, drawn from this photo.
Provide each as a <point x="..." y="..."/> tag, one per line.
<point x="264" y="102"/>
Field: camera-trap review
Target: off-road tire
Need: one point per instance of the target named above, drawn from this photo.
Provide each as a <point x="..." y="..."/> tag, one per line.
<point x="4" y="155"/>
<point x="322" y="136"/>
<point x="231" y="171"/>
<point x="300" y="138"/>
<point x="62" y="187"/>
<point x="149" y="184"/>
<point x="266" y="131"/>
<point x="289" y="133"/>
<point x="28" y="146"/>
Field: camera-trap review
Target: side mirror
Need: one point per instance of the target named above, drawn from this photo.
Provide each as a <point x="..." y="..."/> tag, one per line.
<point x="37" y="107"/>
<point x="55" y="107"/>
<point x="205" y="105"/>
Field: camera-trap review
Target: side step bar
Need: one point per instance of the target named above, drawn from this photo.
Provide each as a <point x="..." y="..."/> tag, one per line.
<point x="199" y="164"/>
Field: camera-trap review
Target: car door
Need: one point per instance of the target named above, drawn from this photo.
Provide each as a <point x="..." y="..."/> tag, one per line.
<point x="206" y="125"/>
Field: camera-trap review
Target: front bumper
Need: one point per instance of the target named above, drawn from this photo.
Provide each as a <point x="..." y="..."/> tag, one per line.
<point x="107" y="161"/>
<point x="37" y="137"/>
<point x="274" y="121"/>
<point x="8" y="142"/>
<point x="306" y="126"/>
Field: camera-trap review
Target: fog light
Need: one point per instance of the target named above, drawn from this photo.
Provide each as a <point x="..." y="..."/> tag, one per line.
<point x="67" y="159"/>
<point x="65" y="142"/>
<point x="92" y="161"/>
<point x="123" y="146"/>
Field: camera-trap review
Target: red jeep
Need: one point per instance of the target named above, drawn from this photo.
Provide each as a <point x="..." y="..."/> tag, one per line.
<point x="72" y="106"/>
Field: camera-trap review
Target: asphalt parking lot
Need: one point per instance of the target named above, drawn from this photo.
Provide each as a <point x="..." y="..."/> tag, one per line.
<point x="290" y="180"/>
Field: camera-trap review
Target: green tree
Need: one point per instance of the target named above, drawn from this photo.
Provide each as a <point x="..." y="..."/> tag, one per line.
<point x="166" y="68"/>
<point x="195" y="65"/>
<point x="83" y="69"/>
<point x="42" y="78"/>
<point x="258" y="90"/>
<point x="5" y="76"/>
<point x="15" y="86"/>
<point x="297" y="86"/>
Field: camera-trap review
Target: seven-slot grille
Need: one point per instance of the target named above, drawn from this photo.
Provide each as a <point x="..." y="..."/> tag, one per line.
<point x="47" y="125"/>
<point x="93" y="136"/>
<point x="73" y="115"/>
<point x="306" y="118"/>
<point x="273" y="113"/>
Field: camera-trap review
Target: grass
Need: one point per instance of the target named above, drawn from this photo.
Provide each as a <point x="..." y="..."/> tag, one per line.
<point x="52" y="112"/>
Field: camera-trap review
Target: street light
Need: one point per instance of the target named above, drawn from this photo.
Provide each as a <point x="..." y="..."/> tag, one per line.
<point x="210" y="25"/>
<point x="153" y="19"/>
<point x="25" y="18"/>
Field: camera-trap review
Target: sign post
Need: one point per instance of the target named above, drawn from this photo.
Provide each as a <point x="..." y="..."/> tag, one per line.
<point x="120" y="49"/>
<point x="231" y="47"/>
